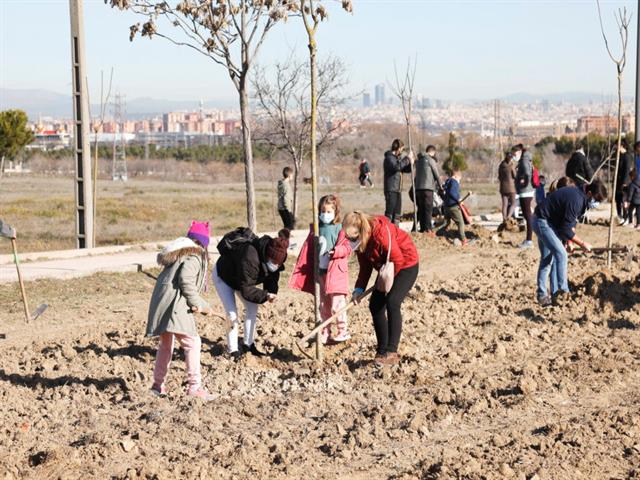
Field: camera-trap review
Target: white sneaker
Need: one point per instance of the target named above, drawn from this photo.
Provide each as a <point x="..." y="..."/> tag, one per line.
<point x="342" y="337"/>
<point x="526" y="244"/>
<point x="622" y="222"/>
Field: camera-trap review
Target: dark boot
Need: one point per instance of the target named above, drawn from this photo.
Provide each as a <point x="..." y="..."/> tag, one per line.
<point x="253" y="350"/>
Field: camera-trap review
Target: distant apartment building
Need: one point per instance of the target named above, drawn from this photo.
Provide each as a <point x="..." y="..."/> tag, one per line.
<point x="605" y="124"/>
<point x="379" y="94"/>
<point x="366" y="100"/>
<point x="199" y="122"/>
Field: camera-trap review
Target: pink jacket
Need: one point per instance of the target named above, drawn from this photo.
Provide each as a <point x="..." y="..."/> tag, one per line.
<point x="337" y="279"/>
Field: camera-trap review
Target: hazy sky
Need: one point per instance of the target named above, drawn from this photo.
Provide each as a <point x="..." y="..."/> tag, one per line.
<point x="465" y="49"/>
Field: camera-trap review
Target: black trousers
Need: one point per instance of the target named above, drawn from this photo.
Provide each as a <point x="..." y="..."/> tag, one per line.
<point x="525" y="206"/>
<point x="287" y="219"/>
<point x="619" y="198"/>
<point x="386" y="313"/>
<point x="424" y="199"/>
<point x="633" y="207"/>
<point x="393" y="206"/>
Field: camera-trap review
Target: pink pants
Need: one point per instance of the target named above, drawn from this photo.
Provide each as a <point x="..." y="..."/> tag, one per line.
<point x="330" y="303"/>
<point x="191" y="346"/>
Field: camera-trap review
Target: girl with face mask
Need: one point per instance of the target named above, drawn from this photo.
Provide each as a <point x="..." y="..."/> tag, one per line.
<point x="334" y="250"/>
<point x="246" y="264"/>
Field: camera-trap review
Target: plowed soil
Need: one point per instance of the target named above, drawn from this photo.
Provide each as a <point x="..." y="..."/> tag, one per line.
<point x="490" y="385"/>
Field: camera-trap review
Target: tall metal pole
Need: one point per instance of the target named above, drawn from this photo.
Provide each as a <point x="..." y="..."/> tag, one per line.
<point x="82" y="151"/>
<point x="637" y="126"/>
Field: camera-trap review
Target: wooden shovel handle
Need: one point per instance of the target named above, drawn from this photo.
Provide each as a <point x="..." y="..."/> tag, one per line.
<point x="22" y="289"/>
<point x="312" y="333"/>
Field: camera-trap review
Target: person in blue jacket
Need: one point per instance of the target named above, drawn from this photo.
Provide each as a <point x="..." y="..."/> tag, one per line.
<point x="452" y="210"/>
<point x="554" y="223"/>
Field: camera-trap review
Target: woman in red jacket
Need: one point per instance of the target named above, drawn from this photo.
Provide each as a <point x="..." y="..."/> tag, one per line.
<point x="373" y="238"/>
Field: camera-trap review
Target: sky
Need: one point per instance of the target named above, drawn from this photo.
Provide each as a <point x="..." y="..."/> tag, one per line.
<point x="465" y="48"/>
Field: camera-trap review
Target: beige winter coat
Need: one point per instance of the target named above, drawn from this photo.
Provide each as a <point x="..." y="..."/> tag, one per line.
<point x="178" y="289"/>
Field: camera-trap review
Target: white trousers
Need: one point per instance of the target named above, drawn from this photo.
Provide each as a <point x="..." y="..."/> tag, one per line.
<point x="228" y="298"/>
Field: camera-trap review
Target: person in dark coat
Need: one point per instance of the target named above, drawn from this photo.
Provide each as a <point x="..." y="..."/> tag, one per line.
<point x="507" y="179"/>
<point x="623" y="180"/>
<point x="632" y="199"/>
<point x="241" y="271"/>
<point x="394" y="166"/>
<point x="554" y="222"/>
<point x="427" y="181"/>
<point x="578" y="167"/>
<point x="365" y="174"/>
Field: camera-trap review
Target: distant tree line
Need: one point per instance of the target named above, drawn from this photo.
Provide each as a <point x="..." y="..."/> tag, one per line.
<point x="203" y="154"/>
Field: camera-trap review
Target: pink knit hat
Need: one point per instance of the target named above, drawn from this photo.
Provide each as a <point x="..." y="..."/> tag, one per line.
<point x="199" y="231"/>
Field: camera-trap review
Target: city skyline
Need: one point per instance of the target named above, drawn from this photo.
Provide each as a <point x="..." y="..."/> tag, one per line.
<point x="499" y="52"/>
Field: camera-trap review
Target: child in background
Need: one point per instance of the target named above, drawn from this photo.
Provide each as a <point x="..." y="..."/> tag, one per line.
<point x="632" y="199"/>
<point x="452" y="209"/>
<point x="540" y="193"/>
<point x="334" y="268"/>
<point x="285" y="199"/>
<point x="175" y="299"/>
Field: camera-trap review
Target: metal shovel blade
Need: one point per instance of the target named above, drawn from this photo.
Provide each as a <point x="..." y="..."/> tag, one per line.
<point x="39" y="311"/>
<point x="7" y="230"/>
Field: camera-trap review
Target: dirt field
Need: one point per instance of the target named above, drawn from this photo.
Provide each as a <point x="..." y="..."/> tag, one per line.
<point x="42" y="209"/>
<point x="490" y="386"/>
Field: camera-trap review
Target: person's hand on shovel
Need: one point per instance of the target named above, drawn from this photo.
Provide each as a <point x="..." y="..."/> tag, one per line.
<point x="570" y="246"/>
<point x="271" y="297"/>
<point x="203" y="311"/>
<point x="355" y="296"/>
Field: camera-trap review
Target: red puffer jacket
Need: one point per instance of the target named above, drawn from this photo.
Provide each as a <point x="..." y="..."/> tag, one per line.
<point x="403" y="251"/>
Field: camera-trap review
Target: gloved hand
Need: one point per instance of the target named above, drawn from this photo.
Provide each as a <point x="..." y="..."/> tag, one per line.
<point x="356" y="294"/>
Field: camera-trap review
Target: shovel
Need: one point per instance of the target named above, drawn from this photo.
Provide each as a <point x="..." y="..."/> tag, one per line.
<point x="9" y="232"/>
<point x="599" y="250"/>
<point x="302" y="343"/>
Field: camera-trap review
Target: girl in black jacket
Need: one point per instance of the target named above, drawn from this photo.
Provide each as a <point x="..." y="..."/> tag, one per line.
<point x="241" y="270"/>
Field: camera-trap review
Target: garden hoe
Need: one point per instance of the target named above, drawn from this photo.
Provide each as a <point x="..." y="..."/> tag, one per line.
<point x="303" y="342"/>
<point x="10" y="233"/>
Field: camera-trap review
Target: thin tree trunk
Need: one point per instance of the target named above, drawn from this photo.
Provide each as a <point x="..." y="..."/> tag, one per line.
<point x="413" y="182"/>
<point x="615" y="172"/>
<point x="314" y="194"/>
<point x="296" y="175"/>
<point x="95" y="186"/>
<point x="248" y="155"/>
<point x="2" y="166"/>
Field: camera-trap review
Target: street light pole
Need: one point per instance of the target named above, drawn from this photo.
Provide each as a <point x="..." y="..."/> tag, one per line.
<point x="82" y="152"/>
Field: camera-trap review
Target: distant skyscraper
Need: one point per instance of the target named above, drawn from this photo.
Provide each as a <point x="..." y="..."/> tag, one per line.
<point x="366" y="100"/>
<point x="380" y="94"/>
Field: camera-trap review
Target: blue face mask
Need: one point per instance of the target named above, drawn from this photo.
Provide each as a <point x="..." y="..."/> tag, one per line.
<point x="592" y="204"/>
<point x="327" y="217"/>
<point x="272" y="267"/>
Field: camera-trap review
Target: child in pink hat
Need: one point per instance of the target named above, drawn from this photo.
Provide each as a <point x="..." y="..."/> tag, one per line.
<point x="175" y="299"/>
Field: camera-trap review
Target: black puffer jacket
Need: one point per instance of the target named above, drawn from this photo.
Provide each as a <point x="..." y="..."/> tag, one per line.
<point x="393" y="169"/>
<point x="243" y="269"/>
<point x="578" y="166"/>
<point x="624" y="170"/>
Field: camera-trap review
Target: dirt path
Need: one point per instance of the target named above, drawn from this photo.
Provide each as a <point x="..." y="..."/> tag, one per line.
<point x="490" y="386"/>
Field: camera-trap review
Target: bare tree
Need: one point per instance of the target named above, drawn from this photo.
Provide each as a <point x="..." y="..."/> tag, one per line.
<point x="228" y="32"/>
<point x="623" y="19"/>
<point x="97" y="126"/>
<point x="403" y="89"/>
<point x="313" y="13"/>
<point x="285" y="116"/>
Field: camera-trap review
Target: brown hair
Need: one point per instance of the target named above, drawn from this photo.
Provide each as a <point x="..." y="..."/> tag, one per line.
<point x="331" y="200"/>
<point x="358" y="223"/>
<point x="397" y="145"/>
<point x="561" y="183"/>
